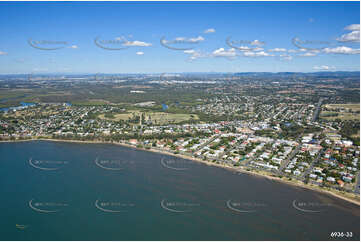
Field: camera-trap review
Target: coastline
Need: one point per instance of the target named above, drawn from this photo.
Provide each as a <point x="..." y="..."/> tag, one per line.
<point x="341" y="195"/>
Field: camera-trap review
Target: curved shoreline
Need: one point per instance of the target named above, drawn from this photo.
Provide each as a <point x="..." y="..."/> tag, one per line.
<point x="234" y="169"/>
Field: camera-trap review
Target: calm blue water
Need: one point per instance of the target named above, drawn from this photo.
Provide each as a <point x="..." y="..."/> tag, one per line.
<point x="23" y="104"/>
<point x="68" y="191"/>
<point x="164" y="106"/>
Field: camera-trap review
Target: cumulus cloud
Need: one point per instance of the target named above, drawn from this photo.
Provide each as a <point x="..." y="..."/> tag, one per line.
<point x="194" y="54"/>
<point x="73" y="47"/>
<point x="196" y="40"/>
<point x="189" y="51"/>
<point x="256" y="54"/>
<point x="221" y="52"/>
<point x="278" y="50"/>
<point x="137" y="43"/>
<point x="353" y="36"/>
<point x="139" y="53"/>
<point x="341" y="50"/>
<point x="323" y="67"/>
<point x="208" y="31"/>
<point x="308" y="54"/>
<point x="353" y="27"/>
<point x="3" y="53"/>
<point x="292" y="51"/>
<point x="244" y="48"/>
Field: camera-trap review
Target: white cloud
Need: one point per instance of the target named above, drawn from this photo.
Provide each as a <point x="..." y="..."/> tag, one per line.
<point x="341" y="50"/>
<point x="292" y="51"/>
<point x="257" y="49"/>
<point x="208" y="31"/>
<point x="278" y="50"/>
<point x="193" y="54"/>
<point x="221" y="52"/>
<point x="189" y="51"/>
<point x="308" y="54"/>
<point x="353" y="36"/>
<point x="324" y="67"/>
<point x="353" y="27"/>
<point x="196" y="40"/>
<point x="3" y="53"/>
<point x="139" y="53"/>
<point x="244" y="48"/>
<point x="137" y="43"/>
<point x="256" y="54"/>
<point x="73" y="47"/>
<point x="257" y="42"/>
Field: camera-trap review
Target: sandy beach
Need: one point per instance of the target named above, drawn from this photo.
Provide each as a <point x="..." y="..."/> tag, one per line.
<point x="342" y="195"/>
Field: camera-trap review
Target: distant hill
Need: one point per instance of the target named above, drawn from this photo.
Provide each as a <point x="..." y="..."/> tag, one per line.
<point x="285" y="74"/>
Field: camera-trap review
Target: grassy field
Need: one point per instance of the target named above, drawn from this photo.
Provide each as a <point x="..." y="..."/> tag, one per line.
<point x="156" y="117"/>
<point x="354" y="107"/>
<point x="341" y="111"/>
<point x="340" y="115"/>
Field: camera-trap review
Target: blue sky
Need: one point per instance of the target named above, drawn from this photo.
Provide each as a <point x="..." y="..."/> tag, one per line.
<point x="261" y="37"/>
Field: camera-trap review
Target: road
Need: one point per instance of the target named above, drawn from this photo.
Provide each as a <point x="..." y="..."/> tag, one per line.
<point x="290" y="156"/>
<point x="317" y="112"/>
<point x="206" y="143"/>
<point x="357" y="187"/>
